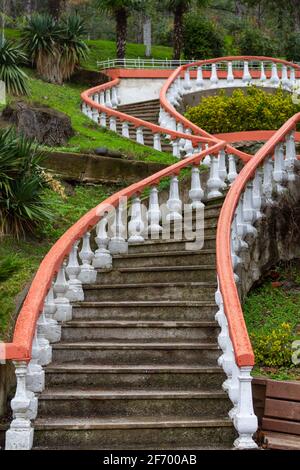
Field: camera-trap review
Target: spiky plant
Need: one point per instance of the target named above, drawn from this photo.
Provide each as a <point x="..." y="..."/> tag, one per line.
<point x="73" y="49"/>
<point x="22" y="207"/>
<point x="11" y="57"/>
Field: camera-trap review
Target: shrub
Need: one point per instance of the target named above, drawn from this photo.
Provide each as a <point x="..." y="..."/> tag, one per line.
<point x="8" y="266"/>
<point x="274" y="348"/>
<point x="11" y="56"/>
<point x="22" y="208"/>
<point x="201" y="38"/>
<point x="252" y="109"/>
<point x="292" y="47"/>
<point x="55" y="47"/>
<point x="252" y="41"/>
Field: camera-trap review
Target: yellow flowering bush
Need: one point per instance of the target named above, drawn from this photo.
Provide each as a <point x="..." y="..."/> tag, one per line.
<point x="273" y="348"/>
<point x="245" y="110"/>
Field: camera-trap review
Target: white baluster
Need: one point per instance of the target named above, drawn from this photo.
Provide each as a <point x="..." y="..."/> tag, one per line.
<point x="174" y="203"/>
<point x="199" y="80"/>
<point x="154" y="214"/>
<point x="84" y="108"/>
<point x="45" y="350"/>
<point x="245" y="421"/>
<point x="176" y="148"/>
<point x="20" y="434"/>
<point x="284" y="77"/>
<point x="113" y="123"/>
<point x="230" y="76"/>
<point x="114" y="97"/>
<point x="248" y="210"/>
<point x="246" y="74"/>
<point x="268" y="181"/>
<point x="103" y="258"/>
<point x="256" y="195"/>
<point x="103" y="119"/>
<point x="87" y="274"/>
<point x="187" y="80"/>
<point x="95" y="115"/>
<point x="214" y="80"/>
<point x="181" y="141"/>
<point x="235" y="259"/>
<point x="207" y="159"/>
<point x="117" y="243"/>
<point x="35" y="377"/>
<point x="47" y="325"/>
<point x="279" y="174"/>
<point x="293" y="76"/>
<point x="188" y="145"/>
<point x="291" y="158"/>
<point x="232" y="173"/>
<point x="62" y="303"/>
<point x="125" y="129"/>
<point x="233" y="389"/>
<point x="102" y="98"/>
<point x="196" y="193"/>
<point x="222" y="168"/>
<point x="75" y="291"/>
<point x="89" y="112"/>
<point x="274" y="76"/>
<point x="140" y="135"/>
<point x="214" y="183"/>
<point x="108" y="103"/>
<point x="156" y="142"/>
<point x="241" y="226"/>
<point x="263" y="77"/>
<point x="136" y="225"/>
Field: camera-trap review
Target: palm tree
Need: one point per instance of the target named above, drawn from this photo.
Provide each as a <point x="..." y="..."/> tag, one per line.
<point x="120" y="10"/>
<point x="11" y="58"/>
<point x="179" y="8"/>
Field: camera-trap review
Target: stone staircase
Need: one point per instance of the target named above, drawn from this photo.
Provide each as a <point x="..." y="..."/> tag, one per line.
<point x="136" y="367"/>
<point x="148" y="111"/>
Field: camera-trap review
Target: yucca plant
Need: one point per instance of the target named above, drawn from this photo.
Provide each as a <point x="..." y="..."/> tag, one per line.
<point x="55" y="47"/>
<point x="11" y="57"/>
<point x="22" y="207"/>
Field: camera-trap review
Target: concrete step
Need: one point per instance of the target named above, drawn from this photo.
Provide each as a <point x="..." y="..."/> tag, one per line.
<point x="159" y="247"/>
<point x="142" y="377"/>
<point x="151" y="291"/>
<point x="156" y="273"/>
<point x="145" y="310"/>
<point x="135" y="352"/>
<point x="122" y="433"/>
<point x="133" y="403"/>
<point x="163" y="258"/>
<point x="139" y="330"/>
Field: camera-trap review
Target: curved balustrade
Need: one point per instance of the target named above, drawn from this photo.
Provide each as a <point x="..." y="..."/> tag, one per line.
<point x="71" y="262"/>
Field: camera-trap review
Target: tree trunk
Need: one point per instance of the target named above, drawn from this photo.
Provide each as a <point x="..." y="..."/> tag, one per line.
<point x="239" y="9"/>
<point x="55" y="7"/>
<point x="28" y="7"/>
<point x="121" y="25"/>
<point x="147" y="35"/>
<point x="178" y="34"/>
<point x="295" y="14"/>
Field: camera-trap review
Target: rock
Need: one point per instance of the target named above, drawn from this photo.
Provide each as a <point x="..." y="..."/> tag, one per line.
<point x="46" y="125"/>
<point x="105" y="152"/>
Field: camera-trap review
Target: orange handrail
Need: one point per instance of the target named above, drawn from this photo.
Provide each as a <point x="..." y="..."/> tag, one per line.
<point x="233" y="310"/>
<point x="20" y="347"/>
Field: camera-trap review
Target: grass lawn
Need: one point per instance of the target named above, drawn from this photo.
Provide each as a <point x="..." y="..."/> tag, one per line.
<point x="88" y="135"/>
<point x="267" y="307"/>
<point x="25" y="256"/>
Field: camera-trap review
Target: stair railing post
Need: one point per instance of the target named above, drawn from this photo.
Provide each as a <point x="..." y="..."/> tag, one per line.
<point x="174" y="203"/>
<point x="154" y="214"/>
<point x="140" y="135"/>
<point x="117" y="243"/>
<point x="246" y="74"/>
<point x="35" y="376"/>
<point x="230" y="76"/>
<point x="125" y="129"/>
<point x="196" y="192"/>
<point x="103" y="119"/>
<point x="262" y="77"/>
<point x="214" y="80"/>
<point x="87" y="274"/>
<point x="214" y="183"/>
<point x="187" y="80"/>
<point x="63" y="307"/>
<point x="136" y="225"/>
<point x="290" y="158"/>
<point x="108" y="103"/>
<point x="47" y="325"/>
<point x="156" y="142"/>
<point x="199" y="79"/>
<point x="222" y="168"/>
<point x="20" y="434"/>
<point x="274" y="75"/>
<point x="102" y="258"/>
<point x="113" y="123"/>
<point x="232" y="173"/>
<point x="245" y="421"/>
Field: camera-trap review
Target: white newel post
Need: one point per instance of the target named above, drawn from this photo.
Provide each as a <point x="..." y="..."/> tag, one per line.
<point x="20" y="434"/>
<point x="136" y="225"/>
<point x="63" y="306"/>
<point x="245" y="421"/>
<point x="103" y="258"/>
<point x="125" y="129"/>
<point x="75" y="291"/>
<point x="174" y="203"/>
<point x="196" y="192"/>
<point x="87" y="274"/>
<point x="154" y="214"/>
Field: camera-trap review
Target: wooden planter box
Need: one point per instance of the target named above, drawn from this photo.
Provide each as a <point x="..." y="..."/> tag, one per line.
<point x="277" y="406"/>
